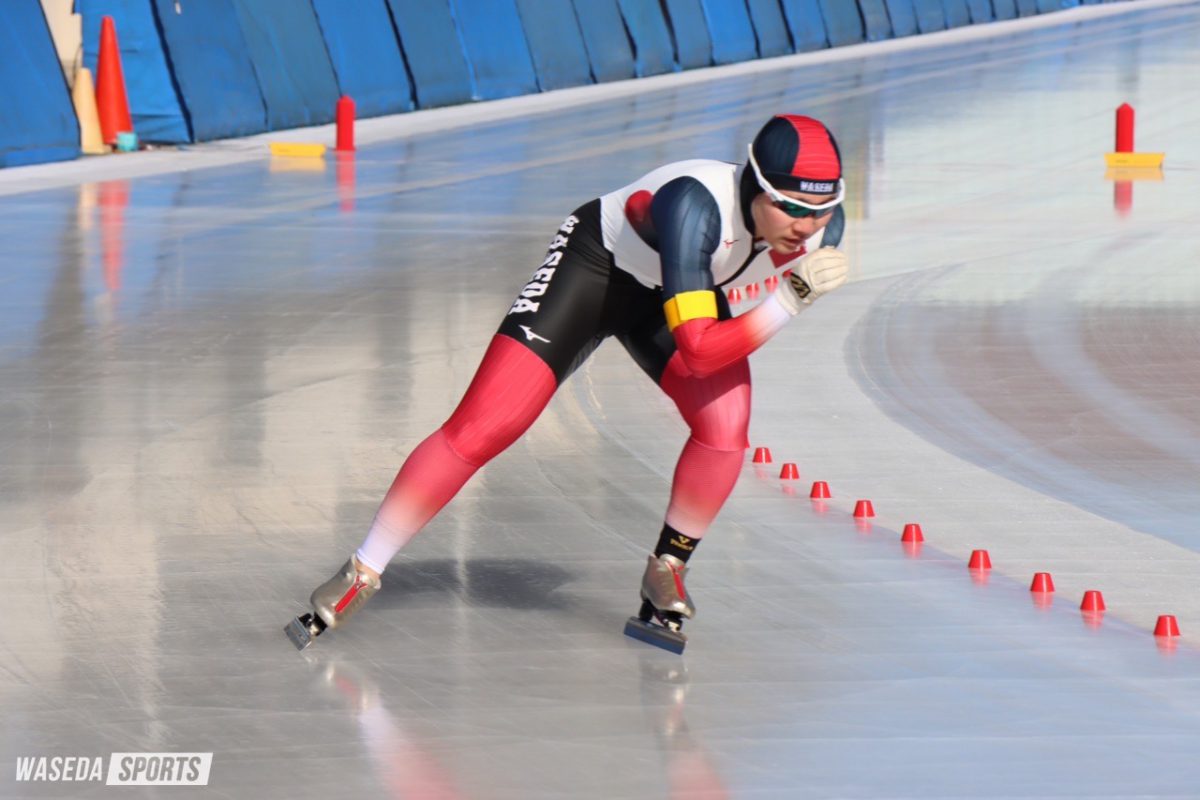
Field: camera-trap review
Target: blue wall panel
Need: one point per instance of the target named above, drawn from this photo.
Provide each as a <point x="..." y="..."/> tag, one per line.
<point x="555" y="42"/>
<point x="434" y="52"/>
<point x="1027" y="8"/>
<point x="366" y="55"/>
<point x="290" y="60"/>
<point x="806" y="24"/>
<point x="956" y="12"/>
<point x="1005" y="9"/>
<point x="981" y="11"/>
<point x="608" y="49"/>
<point x="930" y="15"/>
<point x="1046" y="6"/>
<point x="693" y="48"/>
<point x="903" y="17"/>
<point x="875" y="19"/>
<point x="494" y="42"/>
<point x="153" y="104"/>
<point x="770" y="28"/>
<point x="843" y="25"/>
<point x="730" y="30"/>
<point x="31" y="80"/>
<point x="209" y="58"/>
<point x="653" y="52"/>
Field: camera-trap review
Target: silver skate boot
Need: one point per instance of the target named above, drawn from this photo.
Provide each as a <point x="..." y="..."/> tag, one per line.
<point x="333" y="602"/>
<point x="665" y="604"/>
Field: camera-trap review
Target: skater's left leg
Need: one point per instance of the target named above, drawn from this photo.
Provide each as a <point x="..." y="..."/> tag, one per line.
<point x="717" y="410"/>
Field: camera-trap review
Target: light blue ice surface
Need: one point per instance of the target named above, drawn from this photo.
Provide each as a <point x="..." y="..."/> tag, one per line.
<point x="209" y="375"/>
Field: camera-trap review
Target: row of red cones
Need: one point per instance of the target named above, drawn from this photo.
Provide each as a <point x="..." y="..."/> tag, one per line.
<point x="752" y="291"/>
<point x="1043" y="583"/>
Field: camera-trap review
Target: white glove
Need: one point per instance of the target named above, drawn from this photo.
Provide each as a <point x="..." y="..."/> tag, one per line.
<point x="818" y="273"/>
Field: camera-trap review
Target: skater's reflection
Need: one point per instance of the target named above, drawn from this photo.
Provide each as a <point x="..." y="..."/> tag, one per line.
<point x="404" y="768"/>
<point x="691" y="772"/>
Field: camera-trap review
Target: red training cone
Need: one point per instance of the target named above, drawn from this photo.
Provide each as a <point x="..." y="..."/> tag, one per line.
<point x="771" y="283"/>
<point x="980" y="560"/>
<point x="111" y="101"/>
<point x="1042" y="582"/>
<point x="912" y="534"/>
<point x="864" y="509"/>
<point x="1092" y="601"/>
<point x="735" y="295"/>
<point x="1167" y="626"/>
<point x="790" y="472"/>
<point x="820" y="491"/>
<point x="752" y="291"/>
<point x="762" y="455"/>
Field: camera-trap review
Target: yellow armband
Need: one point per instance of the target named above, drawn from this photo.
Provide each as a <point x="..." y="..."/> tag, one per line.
<point x="690" y="305"/>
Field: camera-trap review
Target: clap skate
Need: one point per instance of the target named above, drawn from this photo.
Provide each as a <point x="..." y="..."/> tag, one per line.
<point x="665" y="604"/>
<point x="333" y="602"/>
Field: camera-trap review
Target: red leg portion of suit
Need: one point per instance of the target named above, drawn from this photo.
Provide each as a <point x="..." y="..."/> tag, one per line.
<point x="717" y="409"/>
<point x="509" y="391"/>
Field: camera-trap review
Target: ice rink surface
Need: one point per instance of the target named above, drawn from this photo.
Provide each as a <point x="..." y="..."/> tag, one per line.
<point x="210" y="373"/>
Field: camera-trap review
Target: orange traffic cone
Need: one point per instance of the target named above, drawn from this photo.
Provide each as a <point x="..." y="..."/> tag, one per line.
<point x="110" y="86"/>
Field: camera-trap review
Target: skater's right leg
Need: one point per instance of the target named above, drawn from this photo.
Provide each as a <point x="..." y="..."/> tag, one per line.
<point x="508" y="393"/>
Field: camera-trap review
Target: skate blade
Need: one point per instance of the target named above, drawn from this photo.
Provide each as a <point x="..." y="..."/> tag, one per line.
<point x="300" y="631"/>
<point x="656" y="635"/>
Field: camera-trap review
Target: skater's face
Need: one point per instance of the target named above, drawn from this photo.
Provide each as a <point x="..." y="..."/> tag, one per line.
<point x="783" y="232"/>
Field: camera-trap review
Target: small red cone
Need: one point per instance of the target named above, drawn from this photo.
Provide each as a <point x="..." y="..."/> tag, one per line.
<point x="1092" y="601"/>
<point x="820" y="491"/>
<point x="787" y="273"/>
<point x="735" y="295"/>
<point x="790" y="472"/>
<point x="111" y="100"/>
<point x="980" y="560"/>
<point x="771" y="283"/>
<point x="752" y="291"/>
<point x="762" y="455"/>
<point x="912" y="533"/>
<point x="345" y="125"/>
<point x="1167" y="626"/>
<point x="1042" y="582"/>
<point x="864" y="509"/>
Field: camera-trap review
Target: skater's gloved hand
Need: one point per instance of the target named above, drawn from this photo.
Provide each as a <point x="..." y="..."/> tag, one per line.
<point x="818" y="273"/>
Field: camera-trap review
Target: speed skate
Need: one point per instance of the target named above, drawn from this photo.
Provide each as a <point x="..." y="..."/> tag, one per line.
<point x="665" y="605"/>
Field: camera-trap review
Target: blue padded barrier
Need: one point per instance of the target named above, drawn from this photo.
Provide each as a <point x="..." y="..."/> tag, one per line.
<point x="153" y="103"/>
<point x="770" y="28"/>
<point x="843" y="25"/>
<point x="957" y="13"/>
<point x="1046" y="6"/>
<point x="806" y="24"/>
<point x="211" y="64"/>
<point x="653" y="53"/>
<point x="494" y="42"/>
<point x="981" y="11"/>
<point x="555" y="42"/>
<point x="931" y="16"/>
<point x="1027" y="8"/>
<point x="903" y="17"/>
<point x="730" y="30"/>
<point x="366" y="55"/>
<point x="433" y="51"/>
<point x="290" y="60"/>
<point x="1005" y="9"/>
<point x="608" y="49"/>
<point x="693" y="48"/>
<point x="31" y="82"/>
<point x="875" y="20"/>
